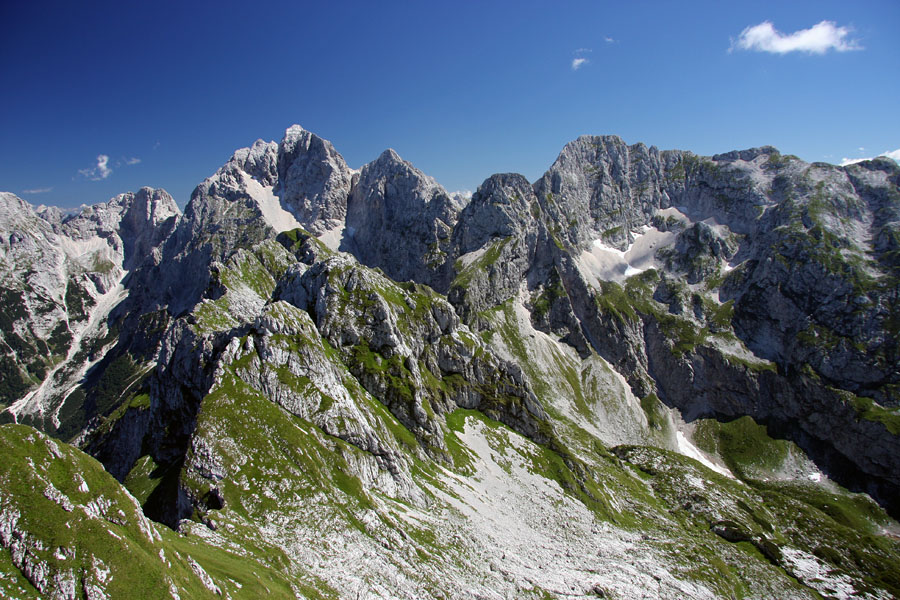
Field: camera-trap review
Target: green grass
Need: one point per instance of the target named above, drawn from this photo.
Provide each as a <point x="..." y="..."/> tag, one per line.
<point x="552" y="291"/>
<point x="867" y="408"/>
<point x="655" y="411"/>
<point x="13" y="385"/>
<point x="460" y="455"/>
<point x="744" y="445"/>
<point x="481" y="265"/>
<point x="144" y="477"/>
<point x="612" y="299"/>
<point x="115" y="538"/>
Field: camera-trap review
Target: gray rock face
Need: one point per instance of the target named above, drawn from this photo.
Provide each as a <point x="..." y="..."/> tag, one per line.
<point x="300" y="182"/>
<point x="503" y="206"/>
<point x="399" y="220"/>
<point x="60" y="271"/>
<point x="497" y="240"/>
<point x="699" y="252"/>
<point x="314" y="181"/>
<point x="815" y="288"/>
<point x="814" y="282"/>
<point x="402" y="344"/>
<point x="601" y="188"/>
<point x="307" y="175"/>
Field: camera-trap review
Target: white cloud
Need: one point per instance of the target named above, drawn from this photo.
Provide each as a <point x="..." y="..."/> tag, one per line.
<point x="893" y="155"/>
<point x="818" y="39"/>
<point x="609" y="40"/>
<point x="101" y="171"/>
<point x="583" y="50"/>
<point x="38" y="190"/>
<point x="577" y="63"/>
<point x="132" y="161"/>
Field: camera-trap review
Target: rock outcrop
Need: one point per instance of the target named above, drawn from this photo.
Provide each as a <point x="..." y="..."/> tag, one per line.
<point x="399" y="220"/>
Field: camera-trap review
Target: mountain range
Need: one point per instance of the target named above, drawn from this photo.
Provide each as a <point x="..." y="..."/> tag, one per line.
<point x="648" y="374"/>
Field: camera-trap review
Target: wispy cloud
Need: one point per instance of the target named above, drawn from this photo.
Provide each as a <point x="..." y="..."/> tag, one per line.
<point x="609" y="40"/>
<point x="101" y="171"/>
<point x="580" y="59"/>
<point x="132" y="161"/>
<point x="893" y="154"/>
<point x="818" y="39"/>
<point x="38" y="190"/>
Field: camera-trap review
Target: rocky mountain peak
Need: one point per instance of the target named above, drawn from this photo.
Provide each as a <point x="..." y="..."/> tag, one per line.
<point x="314" y="181"/>
<point x="393" y="200"/>
<point x="503" y="205"/>
<point x="148" y="204"/>
<point x="258" y="161"/>
<point x="746" y="155"/>
<point x="14" y="212"/>
<point x="608" y="187"/>
<point x="389" y="156"/>
<point x="148" y="217"/>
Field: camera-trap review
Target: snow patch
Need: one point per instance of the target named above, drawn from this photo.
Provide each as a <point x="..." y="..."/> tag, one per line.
<point x="688" y="449"/>
<point x="605" y="263"/>
<point x="270" y="205"/>
<point x="679" y="213"/>
<point x="332" y="238"/>
<point x="35" y="401"/>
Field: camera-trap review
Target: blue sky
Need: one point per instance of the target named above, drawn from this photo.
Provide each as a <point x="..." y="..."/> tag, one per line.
<point x="168" y="90"/>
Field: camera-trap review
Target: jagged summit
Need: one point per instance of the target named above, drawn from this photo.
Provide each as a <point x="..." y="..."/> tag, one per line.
<point x="389" y="156"/>
<point x="747" y="155"/>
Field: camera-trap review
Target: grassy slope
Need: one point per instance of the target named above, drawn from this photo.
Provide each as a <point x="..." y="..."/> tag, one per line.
<point x="110" y="544"/>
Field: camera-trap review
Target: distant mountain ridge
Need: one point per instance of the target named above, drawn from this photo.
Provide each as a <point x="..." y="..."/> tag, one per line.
<point x="309" y="344"/>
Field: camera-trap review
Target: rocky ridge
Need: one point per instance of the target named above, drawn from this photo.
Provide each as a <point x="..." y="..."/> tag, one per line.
<point x="254" y="384"/>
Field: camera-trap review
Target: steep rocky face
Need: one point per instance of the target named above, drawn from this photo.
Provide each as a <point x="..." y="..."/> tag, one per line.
<point x="496" y="242"/>
<point x="600" y="188"/>
<point x="327" y="340"/>
<point x="780" y="250"/>
<point x="263" y="190"/>
<point x="815" y="288"/>
<point x="134" y="225"/>
<point x="608" y="190"/>
<point x="63" y="275"/>
<point x="314" y="181"/>
<point x="31" y="260"/>
<point x="404" y="345"/>
<point x="400" y="220"/>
